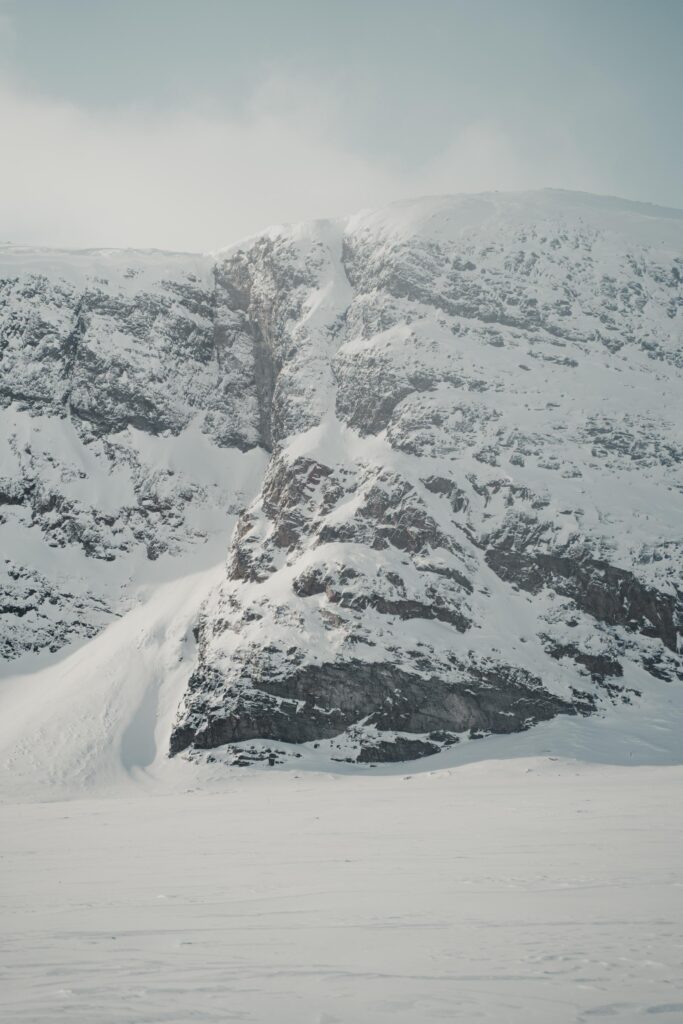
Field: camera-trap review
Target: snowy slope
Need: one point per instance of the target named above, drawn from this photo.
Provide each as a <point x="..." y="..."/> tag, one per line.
<point x="449" y="435"/>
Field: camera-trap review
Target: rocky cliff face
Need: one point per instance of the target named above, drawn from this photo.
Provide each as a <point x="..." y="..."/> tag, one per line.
<point x="451" y="435"/>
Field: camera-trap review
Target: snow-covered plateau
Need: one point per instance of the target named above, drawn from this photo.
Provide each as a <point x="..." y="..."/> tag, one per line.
<point x="340" y="622"/>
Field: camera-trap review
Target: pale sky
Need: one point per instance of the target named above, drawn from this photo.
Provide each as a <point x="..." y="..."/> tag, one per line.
<point x="188" y="124"/>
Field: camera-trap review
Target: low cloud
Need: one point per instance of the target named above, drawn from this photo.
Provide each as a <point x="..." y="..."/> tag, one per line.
<point x="198" y="179"/>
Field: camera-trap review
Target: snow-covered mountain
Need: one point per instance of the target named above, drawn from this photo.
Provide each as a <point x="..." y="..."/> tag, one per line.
<point x="120" y="440"/>
<point x="440" y="444"/>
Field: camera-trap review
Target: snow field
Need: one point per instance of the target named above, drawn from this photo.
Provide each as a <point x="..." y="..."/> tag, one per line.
<point x="525" y="892"/>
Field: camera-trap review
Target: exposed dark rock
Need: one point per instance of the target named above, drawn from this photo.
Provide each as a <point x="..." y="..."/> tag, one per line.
<point x="399" y="749"/>
<point x="609" y="594"/>
<point x="319" y="701"/>
<point x="600" y="666"/>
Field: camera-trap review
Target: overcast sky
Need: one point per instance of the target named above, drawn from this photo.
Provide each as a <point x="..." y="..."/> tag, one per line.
<point x="188" y="124"/>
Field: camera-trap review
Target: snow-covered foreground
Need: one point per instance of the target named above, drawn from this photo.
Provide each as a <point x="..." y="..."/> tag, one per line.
<point x="529" y="890"/>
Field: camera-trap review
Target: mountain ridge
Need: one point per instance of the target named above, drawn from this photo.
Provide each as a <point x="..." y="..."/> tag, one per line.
<point x="435" y="409"/>
<point x="577" y="196"/>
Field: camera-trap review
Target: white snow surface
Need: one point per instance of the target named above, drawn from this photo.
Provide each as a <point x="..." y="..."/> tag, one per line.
<point x="533" y="891"/>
